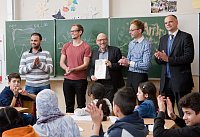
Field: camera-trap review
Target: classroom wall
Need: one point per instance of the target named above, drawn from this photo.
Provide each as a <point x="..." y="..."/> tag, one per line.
<point x="26" y="10"/>
<point x="118" y="8"/>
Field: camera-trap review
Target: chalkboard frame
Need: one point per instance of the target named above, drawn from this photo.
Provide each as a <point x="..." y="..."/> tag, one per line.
<point x="16" y="46"/>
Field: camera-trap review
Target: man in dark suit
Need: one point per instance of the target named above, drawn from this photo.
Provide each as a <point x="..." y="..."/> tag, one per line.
<point x="175" y="54"/>
<point x="113" y="79"/>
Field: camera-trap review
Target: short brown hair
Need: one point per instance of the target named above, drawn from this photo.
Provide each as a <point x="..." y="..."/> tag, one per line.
<point x="80" y="27"/>
<point x="139" y="24"/>
<point x="13" y="75"/>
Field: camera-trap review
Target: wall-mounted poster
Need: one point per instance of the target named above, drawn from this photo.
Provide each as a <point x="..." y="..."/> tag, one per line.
<point x="161" y="6"/>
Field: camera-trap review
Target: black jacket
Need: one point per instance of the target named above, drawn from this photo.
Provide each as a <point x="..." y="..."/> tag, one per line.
<point x="184" y="131"/>
<point x="114" y="55"/>
<point x="180" y="59"/>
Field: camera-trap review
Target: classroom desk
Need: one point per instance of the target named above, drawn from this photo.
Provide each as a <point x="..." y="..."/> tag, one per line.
<point x="87" y="126"/>
<point x="20" y="109"/>
<point x="150" y="121"/>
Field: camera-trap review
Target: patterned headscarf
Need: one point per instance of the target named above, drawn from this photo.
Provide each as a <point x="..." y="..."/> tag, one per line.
<point x="47" y="106"/>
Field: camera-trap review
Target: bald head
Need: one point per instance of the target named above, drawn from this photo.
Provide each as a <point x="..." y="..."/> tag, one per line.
<point x="101" y="35"/>
<point x="171" y="23"/>
<point x="102" y="41"/>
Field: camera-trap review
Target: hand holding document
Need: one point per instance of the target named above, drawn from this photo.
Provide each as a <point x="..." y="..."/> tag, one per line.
<point x="100" y="69"/>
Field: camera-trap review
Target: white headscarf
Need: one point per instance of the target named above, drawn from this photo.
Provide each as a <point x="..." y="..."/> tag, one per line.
<point x="47" y="106"/>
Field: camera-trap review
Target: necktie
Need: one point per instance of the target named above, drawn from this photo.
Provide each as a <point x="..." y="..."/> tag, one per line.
<point x="169" y="47"/>
<point x="171" y="39"/>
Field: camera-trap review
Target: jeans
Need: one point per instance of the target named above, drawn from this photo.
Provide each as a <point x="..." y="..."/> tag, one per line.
<point x="72" y="88"/>
<point x="36" y="90"/>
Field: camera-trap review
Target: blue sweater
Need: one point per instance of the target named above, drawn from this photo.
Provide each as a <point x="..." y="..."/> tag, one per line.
<point x="147" y="109"/>
<point x="6" y="97"/>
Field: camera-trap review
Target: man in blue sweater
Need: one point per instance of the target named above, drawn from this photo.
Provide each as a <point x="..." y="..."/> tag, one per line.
<point x="130" y="124"/>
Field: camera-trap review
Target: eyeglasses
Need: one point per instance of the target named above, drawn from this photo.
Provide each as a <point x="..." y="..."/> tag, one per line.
<point x="72" y="31"/>
<point x="133" y="30"/>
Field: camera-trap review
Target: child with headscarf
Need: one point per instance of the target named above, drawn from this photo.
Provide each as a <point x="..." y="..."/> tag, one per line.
<point x="51" y="121"/>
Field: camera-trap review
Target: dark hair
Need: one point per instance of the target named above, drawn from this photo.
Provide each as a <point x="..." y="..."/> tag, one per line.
<point x="97" y="90"/>
<point x="125" y="99"/>
<point x="150" y="89"/>
<point x="105" y="108"/>
<point x="10" y="118"/>
<point x="191" y="100"/>
<point x="13" y="75"/>
<point x="139" y="24"/>
<point x="37" y="34"/>
<point x="80" y="27"/>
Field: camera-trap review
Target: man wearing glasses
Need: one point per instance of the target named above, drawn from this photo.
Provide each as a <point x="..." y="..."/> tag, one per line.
<point x="139" y="56"/>
<point x="113" y="78"/>
<point x="75" y="58"/>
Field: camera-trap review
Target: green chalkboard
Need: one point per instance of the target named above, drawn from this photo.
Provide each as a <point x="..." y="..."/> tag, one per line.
<point x="92" y="27"/>
<point x="57" y="32"/>
<point x="119" y="36"/>
<point x="18" y="35"/>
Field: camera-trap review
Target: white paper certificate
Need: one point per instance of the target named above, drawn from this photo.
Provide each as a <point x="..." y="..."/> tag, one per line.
<point x="100" y="69"/>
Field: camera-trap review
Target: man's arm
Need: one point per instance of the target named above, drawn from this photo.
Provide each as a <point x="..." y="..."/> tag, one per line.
<point x="117" y="56"/>
<point x="48" y="66"/>
<point x="188" y="52"/>
<point x="23" y="67"/>
<point x="170" y="111"/>
<point x="84" y="66"/>
<point x="25" y="93"/>
<point x="145" y="63"/>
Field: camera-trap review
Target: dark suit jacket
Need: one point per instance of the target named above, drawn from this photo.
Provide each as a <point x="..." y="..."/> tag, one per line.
<point x="114" y="55"/>
<point x="180" y="59"/>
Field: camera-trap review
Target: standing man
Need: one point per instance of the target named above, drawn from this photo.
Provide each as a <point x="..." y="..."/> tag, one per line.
<point x="139" y="56"/>
<point x="175" y="54"/>
<point x="75" y="58"/>
<point x="114" y="79"/>
<point x="36" y="64"/>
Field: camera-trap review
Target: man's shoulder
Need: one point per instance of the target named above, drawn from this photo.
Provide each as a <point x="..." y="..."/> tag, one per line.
<point x="183" y="33"/>
<point x="5" y="91"/>
<point x="45" y="51"/>
<point x="85" y="44"/>
<point x="26" y="52"/>
<point x="113" y="48"/>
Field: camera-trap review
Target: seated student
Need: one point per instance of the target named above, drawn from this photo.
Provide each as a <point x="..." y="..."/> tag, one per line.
<point x="51" y="121"/>
<point x="147" y="95"/>
<point x="129" y="123"/>
<point x="13" y="95"/>
<point x="12" y="125"/>
<point x="97" y="93"/>
<point x="190" y="124"/>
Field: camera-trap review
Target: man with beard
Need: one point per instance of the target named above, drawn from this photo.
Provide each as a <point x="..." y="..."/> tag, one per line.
<point x="74" y="60"/>
<point x="36" y="65"/>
